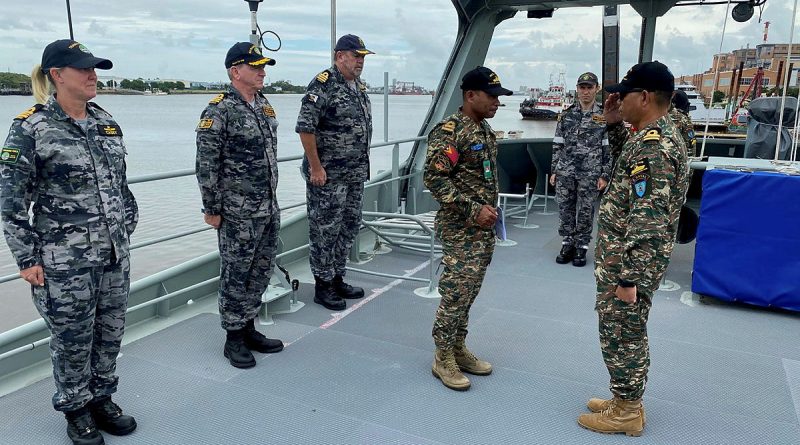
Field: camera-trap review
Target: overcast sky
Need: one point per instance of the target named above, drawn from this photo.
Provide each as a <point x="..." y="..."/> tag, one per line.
<point x="187" y="39"/>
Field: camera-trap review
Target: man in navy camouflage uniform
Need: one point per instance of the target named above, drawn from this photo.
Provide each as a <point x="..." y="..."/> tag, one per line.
<point x="461" y="173"/>
<point x="580" y="169"/>
<point x="66" y="156"/>
<point x="637" y="225"/>
<point x="335" y="127"/>
<point x="237" y="170"/>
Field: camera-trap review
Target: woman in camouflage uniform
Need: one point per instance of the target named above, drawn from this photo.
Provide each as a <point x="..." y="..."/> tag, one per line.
<point x="65" y="157"/>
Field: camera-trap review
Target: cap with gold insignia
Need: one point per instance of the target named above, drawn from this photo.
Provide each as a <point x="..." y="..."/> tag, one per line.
<point x="648" y="76"/>
<point x="484" y="79"/>
<point x="244" y="52"/>
<point x="66" y="52"/>
<point x="350" y="42"/>
<point x="588" y="78"/>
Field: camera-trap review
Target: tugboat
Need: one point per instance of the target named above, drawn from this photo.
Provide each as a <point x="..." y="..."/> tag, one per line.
<point x="549" y="105"/>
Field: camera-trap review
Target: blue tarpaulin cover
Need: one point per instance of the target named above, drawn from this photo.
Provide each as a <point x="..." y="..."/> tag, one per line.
<point x="748" y="241"/>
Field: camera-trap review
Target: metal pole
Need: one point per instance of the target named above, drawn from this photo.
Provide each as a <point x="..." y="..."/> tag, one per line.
<point x="385" y="106"/>
<point x="785" y="83"/>
<point x="395" y="174"/>
<point x="333" y="31"/>
<point x="69" y="19"/>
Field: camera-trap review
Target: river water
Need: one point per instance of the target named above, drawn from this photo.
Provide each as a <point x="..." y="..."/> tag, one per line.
<point x="159" y="135"/>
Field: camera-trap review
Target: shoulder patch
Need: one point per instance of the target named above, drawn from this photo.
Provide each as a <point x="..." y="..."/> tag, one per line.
<point x="449" y="126"/>
<point x="598" y="119"/>
<point x="205" y="124"/>
<point x="9" y="155"/>
<point x="653" y="135"/>
<point x="639" y="173"/>
<point x="323" y="76"/>
<point x="217" y="99"/>
<point x="29" y="112"/>
<point x="269" y="111"/>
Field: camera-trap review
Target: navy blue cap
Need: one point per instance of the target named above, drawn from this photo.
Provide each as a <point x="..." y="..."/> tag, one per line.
<point x="649" y="76"/>
<point x="484" y="79"/>
<point x="588" y="78"/>
<point x="350" y="42"/>
<point x="66" y="52"/>
<point x="681" y="101"/>
<point x="245" y="52"/>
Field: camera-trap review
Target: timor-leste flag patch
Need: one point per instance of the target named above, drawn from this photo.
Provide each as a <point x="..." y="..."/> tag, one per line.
<point x="639" y="173"/>
<point x="451" y="153"/>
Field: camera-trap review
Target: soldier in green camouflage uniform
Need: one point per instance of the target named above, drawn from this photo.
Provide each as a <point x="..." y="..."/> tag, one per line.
<point x="637" y="225"/>
<point x="237" y="170"/>
<point x="66" y="157"/>
<point x="335" y="127"/>
<point x="461" y="173"/>
<point x="679" y="112"/>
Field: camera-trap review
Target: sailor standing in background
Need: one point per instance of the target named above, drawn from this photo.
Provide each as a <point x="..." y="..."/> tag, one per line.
<point x="637" y="224"/>
<point x="67" y="158"/>
<point x="335" y="127"/>
<point x="237" y="170"/>
<point x="580" y="169"/>
<point x="461" y="173"/>
<point x="679" y="112"/>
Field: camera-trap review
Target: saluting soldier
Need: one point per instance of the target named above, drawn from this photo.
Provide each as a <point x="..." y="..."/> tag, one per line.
<point x="67" y="158"/>
<point x="637" y="225"/>
<point x="237" y="171"/>
<point x="461" y="173"/>
<point x="335" y="127"/>
<point x="580" y="169"/>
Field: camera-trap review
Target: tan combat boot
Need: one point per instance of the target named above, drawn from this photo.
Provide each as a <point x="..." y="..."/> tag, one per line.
<point x="598" y="405"/>
<point x="621" y="416"/>
<point x="467" y="361"/>
<point x="446" y="370"/>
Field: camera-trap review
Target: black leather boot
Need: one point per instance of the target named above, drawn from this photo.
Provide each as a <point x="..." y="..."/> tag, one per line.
<point x="258" y="342"/>
<point x="566" y="254"/>
<point x="345" y="290"/>
<point x="580" y="257"/>
<point x="325" y="295"/>
<point x="237" y="352"/>
<point x="109" y="418"/>
<point x="81" y="428"/>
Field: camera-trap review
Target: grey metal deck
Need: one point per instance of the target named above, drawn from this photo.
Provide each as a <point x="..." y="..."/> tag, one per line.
<point x="721" y="374"/>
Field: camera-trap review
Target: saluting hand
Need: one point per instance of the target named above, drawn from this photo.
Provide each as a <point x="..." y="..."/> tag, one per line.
<point x="213" y="220"/>
<point x="487" y="216"/>
<point x="611" y="109"/>
<point x="626" y="294"/>
<point x="33" y="275"/>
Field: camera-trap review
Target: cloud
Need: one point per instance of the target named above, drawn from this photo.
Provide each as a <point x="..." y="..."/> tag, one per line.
<point x="188" y="39"/>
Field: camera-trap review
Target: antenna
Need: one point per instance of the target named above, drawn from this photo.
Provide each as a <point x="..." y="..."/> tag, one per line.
<point x="69" y="20"/>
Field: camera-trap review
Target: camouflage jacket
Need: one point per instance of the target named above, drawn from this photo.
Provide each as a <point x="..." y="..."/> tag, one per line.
<point x="341" y="119"/>
<point x="684" y="124"/>
<point x="459" y="153"/>
<point x="580" y="146"/>
<point x="639" y="212"/>
<point x="82" y="207"/>
<point x="237" y="166"/>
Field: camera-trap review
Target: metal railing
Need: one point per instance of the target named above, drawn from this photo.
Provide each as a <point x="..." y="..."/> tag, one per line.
<point x="16" y="334"/>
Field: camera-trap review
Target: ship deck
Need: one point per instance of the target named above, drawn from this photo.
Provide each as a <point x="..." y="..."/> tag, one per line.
<point x="721" y="373"/>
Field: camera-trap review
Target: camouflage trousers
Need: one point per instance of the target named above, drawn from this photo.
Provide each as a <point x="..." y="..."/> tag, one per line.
<point x="84" y="309"/>
<point x="576" y="198"/>
<point x="247" y="249"/>
<point x="623" y="341"/>
<point x="334" y="218"/>
<point x="466" y="255"/>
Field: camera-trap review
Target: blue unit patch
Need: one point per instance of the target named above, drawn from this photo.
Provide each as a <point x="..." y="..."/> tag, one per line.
<point x="477" y="147"/>
<point x="641" y="188"/>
